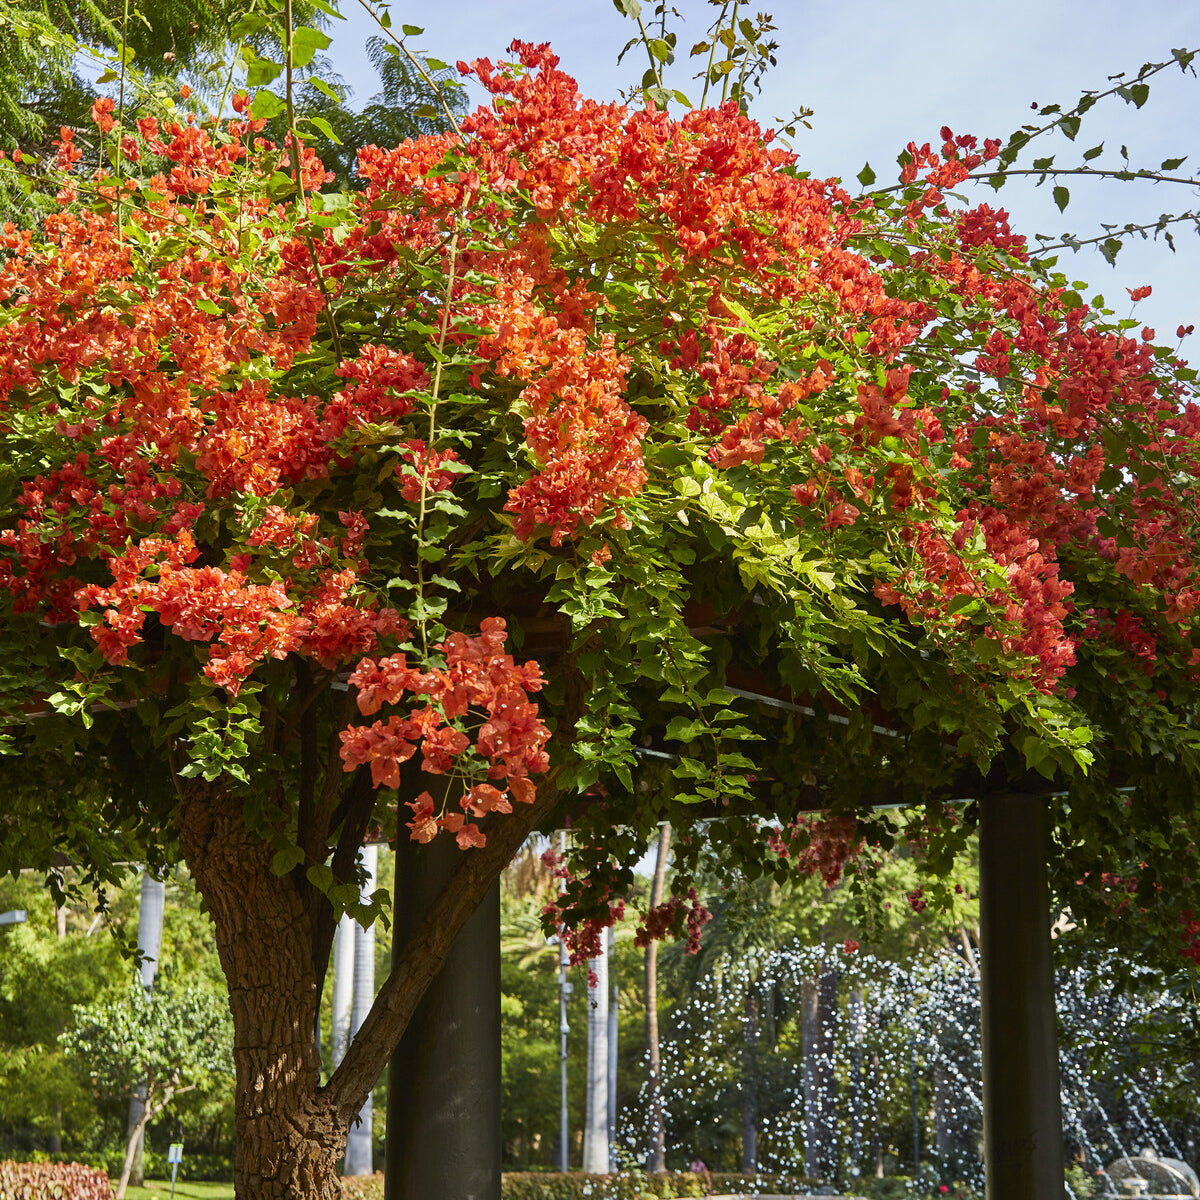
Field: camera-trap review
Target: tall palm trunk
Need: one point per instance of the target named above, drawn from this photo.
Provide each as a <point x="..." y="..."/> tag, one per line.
<point x="595" y="1131"/>
<point x="751" y="1014"/>
<point x="656" y="1158"/>
<point x="359" y="1156"/>
<point x="819" y="1004"/>
<point x="151" y="907"/>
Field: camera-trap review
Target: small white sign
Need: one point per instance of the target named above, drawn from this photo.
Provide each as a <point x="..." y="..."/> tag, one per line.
<point x="175" y="1153"/>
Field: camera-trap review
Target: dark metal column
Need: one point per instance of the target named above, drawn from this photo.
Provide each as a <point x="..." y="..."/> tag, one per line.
<point x="1022" y="1116"/>
<point x="443" y="1129"/>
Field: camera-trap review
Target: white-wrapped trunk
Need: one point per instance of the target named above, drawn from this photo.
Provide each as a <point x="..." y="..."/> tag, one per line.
<point x="595" y="1128"/>
<point x="612" y="1056"/>
<point x="151" y="907"/>
<point x="359" y="1157"/>
<point x="343" y="988"/>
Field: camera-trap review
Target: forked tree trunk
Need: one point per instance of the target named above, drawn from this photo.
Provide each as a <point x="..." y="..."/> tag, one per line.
<point x="273" y="936"/>
<point x="289" y="1141"/>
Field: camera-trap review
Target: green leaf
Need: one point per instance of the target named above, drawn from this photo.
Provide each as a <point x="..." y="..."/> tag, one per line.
<point x="1173" y="164"/>
<point x="1094" y="152"/>
<point x="411" y="30"/>
<point x="866" y="176"/>
<point x="1110" y="248"/>
<point x="628" y="8"/>
<point x="262" y="71"/>
<point x="208" y="306"/>
<point x="266" y="105"/>
<point x="324" y="88"/>
<point x="1070" y="126"/>
<point x="305" y="44"/>
<point x="1061" y="197"/>
<point x="681" y="729"/>
<point x="286" y="859"/>
<point x="325" y="127"/>
<point x="320" y="875"/>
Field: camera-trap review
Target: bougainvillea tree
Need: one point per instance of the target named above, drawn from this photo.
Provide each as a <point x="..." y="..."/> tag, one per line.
<point x="580" y="432"/>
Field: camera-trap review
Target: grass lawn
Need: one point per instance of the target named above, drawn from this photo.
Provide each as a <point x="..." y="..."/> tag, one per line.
<point x="160" y="1189"/>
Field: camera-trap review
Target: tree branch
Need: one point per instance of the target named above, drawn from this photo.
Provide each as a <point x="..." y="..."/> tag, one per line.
<point x="421" y="960"/>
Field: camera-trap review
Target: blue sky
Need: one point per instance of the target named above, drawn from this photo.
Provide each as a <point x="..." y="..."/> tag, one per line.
<point x="880" y="73"/>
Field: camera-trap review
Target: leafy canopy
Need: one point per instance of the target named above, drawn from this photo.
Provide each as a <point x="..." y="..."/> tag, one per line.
<point x="289" y="475"/>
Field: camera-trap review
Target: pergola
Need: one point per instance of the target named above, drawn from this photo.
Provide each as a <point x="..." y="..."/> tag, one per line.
<point x="444" y="1120"/>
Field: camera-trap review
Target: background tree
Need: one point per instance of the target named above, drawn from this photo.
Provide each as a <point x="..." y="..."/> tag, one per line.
<point x="168" y="1043"/>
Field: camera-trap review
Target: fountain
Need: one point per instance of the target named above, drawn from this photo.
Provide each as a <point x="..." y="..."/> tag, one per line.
<point x="1153" y="1178"/>
<point x="894" y="1074"/>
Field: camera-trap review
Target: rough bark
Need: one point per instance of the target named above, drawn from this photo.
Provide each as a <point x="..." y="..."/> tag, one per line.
<point x="656" y="1157"/>
<point x="291" y="1133"/>
<point x="290" y="1137"/>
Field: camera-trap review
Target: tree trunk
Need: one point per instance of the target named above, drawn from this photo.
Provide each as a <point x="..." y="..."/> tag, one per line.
<point x="819" y="1005"/>
<point x="343" y="988"/>
<point x="133" y="1145"/>
<point x="360" y="1157"/>
<point x="595" y="1137"/>
<point x="291" y="1132"/>
<point x="750" y="1023"/>
<point x="151" y="907"/>
<point x="858" y="1025"/>
<point x="290" y="1139"/>
<point x="656" y="1157"/>
<point x="613" y="1035"/>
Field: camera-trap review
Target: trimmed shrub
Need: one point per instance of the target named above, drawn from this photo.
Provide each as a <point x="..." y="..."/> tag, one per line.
<point x="550" y="1185"/>
<point x="734" y="1183"/>
<point x="52" y="1181"/>
<point x="626" y="1185"/>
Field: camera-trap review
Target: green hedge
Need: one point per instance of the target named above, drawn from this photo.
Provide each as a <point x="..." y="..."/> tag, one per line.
<point x="725" y="1183"/>
<point x="634" y="1185"/>
<point x="628" y="1185"/>
<point x="52" y="1181"/>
